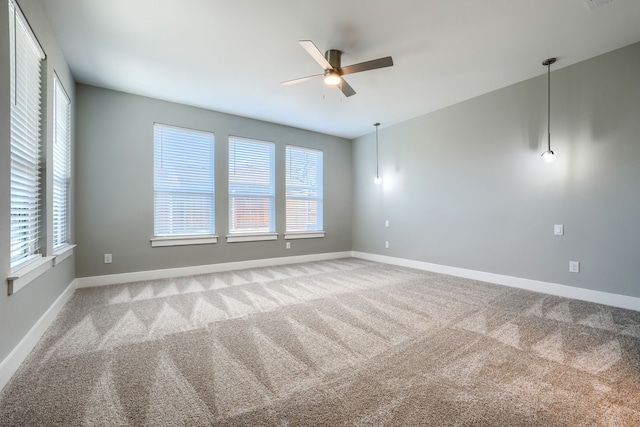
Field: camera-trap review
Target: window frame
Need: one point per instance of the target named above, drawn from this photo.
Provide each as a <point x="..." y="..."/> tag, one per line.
<point x="267" y="192"/>
<point x="191" y="188"/>
<point x="309" y="233"/>
<point x="61" y="166"/>
<point x="27" y="111"/>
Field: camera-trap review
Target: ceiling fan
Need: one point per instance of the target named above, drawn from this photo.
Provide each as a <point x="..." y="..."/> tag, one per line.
<point x="333" y="71"/>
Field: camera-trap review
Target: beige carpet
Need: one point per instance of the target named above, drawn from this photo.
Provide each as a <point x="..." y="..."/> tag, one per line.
<point x="332" y="343"/>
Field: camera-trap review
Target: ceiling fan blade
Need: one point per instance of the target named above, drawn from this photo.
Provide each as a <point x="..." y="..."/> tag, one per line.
<point x="345" y="88"/>
<point x="368" y="65"/>
<point x="315" y="54"/>
<point x="301" y="79"/>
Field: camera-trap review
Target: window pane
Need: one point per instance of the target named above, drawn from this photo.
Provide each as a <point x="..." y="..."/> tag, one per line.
<point x="61" y="164"/>
<point x="303" y="189"/>
<point x="250" y="214"/>
<point x="251" y="186"/>
<point x="184" y="199"/>
<point x="25" y="64"/>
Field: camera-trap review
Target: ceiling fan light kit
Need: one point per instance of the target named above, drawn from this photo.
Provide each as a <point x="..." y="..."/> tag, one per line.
<point x="331" y="77"/>
<point x="333" y="71"/>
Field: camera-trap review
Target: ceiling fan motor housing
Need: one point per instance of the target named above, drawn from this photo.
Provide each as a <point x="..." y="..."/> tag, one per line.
<point x="333" y="56"/>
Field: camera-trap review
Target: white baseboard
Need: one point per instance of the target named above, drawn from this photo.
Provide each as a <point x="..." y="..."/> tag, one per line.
<point x="615" y="300"/>
<point x="113" y="279"/>
<point x="12" y="362"/>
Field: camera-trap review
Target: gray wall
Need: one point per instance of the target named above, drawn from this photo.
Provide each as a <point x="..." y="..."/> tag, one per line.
<point x="19" y="312"/>
<point x="466" y="187"/>
<point x="115" y="184"/>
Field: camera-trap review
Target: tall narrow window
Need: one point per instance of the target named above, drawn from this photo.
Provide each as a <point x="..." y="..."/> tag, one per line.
<point x="303" y="189"/>
<point x="26" y="58"/>
<point x="184" y="199"/>
<point x="61" y="164"/>
<point x="251" y="186"/>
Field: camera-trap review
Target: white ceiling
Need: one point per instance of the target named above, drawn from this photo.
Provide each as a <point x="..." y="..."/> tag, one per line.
<point x="231" y="55"/>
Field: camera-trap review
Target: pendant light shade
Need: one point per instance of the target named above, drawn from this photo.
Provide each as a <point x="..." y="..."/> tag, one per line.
<point x="548" y="155"/>
<point x="377" y="179"/>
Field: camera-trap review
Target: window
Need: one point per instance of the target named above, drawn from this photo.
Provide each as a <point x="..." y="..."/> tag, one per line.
<point x="26" y="58"/>
<point x="251" y="187"/>
<point x="61" y="164"/>
<point x="303" y="191"/>
<point x="184" y="198"/>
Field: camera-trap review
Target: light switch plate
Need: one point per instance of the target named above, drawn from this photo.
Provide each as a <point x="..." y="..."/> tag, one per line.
<point x="558" y="230"/>
<point x="574" y="267"/>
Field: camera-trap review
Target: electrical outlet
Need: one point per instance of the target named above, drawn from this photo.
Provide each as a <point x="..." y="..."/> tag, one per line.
<point x="288" y="245"/>
<point x="386" y="223"/>
<point x="108" y="259"/>
<point x="386" y="245"/>
<point x="574" y="267"/>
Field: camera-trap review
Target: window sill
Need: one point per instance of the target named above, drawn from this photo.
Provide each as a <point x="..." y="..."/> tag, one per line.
<point x="305" y="235"/>
<point x="234" y="238"/>
<point x="183" y="240"/>
<point x="22" y="276"/>
<point x="62" y="253"/>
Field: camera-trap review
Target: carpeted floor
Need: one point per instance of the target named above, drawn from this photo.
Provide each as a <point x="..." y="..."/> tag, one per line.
<point x="332" y="343"/>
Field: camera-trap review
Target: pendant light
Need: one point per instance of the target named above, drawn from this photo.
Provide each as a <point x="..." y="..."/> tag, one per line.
<point x="548" y="155"/>
<point x="377" y="179"/>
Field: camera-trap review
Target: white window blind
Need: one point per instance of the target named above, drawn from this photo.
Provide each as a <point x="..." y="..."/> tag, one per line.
<point x="61" y="164"/>
<point x="184" y="198"/>
<point x="251" y="186"/>
<point x="303" y="189"/>
<point x="26" y="57"/>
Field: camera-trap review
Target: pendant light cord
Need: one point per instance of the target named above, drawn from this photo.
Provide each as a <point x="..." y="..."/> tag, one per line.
<point x="548" y="105"/>
<point x="377" y="162"/>
<point x="548" y="63"/>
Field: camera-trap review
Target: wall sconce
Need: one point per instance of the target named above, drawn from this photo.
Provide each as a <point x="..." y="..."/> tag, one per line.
<point x="377" y="179"/>
<point x="548" y="155"/>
